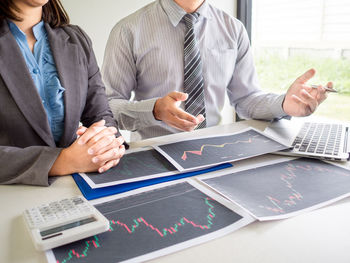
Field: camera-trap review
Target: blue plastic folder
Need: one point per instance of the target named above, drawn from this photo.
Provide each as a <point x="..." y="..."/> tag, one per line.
<point x="91" y="193"/>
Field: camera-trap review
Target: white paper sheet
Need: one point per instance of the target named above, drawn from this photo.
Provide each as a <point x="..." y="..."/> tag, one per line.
<point x="178" y="156"/>
<point x="246" y="219"/>
<point x="306" y="200"/>
<point x="110" y="181"/>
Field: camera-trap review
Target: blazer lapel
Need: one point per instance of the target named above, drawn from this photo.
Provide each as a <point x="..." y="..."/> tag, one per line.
<point x="15" y="74"/>
<point x="66" y="58"/>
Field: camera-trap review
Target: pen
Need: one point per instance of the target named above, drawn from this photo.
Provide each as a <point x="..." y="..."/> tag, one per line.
<point x="326" y="88"/>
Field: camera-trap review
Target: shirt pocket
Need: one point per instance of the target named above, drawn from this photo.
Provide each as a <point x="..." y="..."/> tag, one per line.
<point x="219" y="65"/>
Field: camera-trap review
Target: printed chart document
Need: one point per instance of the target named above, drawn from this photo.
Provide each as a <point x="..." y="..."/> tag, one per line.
<point x="136" y="165"/>
<point x="213" y="150"/>
<point x="162" y="220"/>
<point x="279" y="190"/>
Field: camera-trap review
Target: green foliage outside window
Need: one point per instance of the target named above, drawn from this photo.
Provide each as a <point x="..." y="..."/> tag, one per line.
<point x="276" y="74"/>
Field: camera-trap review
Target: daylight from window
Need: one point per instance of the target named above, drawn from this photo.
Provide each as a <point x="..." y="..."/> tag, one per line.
<point x="289" y="37"/>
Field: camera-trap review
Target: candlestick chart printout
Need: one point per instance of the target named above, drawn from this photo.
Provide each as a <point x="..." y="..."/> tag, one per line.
<point x="134" y="166"/>
<point x="147" y="222"/>
<point x="283" y="189"/>
<point x="208" y="151"/>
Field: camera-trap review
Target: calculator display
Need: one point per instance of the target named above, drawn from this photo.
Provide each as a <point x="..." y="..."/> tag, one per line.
<point x="58" y="229"/>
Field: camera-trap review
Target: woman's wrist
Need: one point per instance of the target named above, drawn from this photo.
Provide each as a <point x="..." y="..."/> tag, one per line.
<point x="62" y="165"/>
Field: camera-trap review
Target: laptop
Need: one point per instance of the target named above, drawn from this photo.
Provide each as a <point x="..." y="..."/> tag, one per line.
<point x="315" y="139"/>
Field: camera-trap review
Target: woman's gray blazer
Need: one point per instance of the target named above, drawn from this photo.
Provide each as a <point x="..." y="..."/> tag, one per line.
<point x="27" y="147"/>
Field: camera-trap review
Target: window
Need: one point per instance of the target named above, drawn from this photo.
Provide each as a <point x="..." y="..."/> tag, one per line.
<point x="289" y="37"/>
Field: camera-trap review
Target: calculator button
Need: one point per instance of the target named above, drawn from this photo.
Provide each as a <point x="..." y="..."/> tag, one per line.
<point x="77" y="201"/>
<point x="57" y="212"/>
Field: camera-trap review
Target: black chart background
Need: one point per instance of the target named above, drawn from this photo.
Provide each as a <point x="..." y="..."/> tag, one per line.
<point x="134" y="165"/>
<point x="162" y="208"/>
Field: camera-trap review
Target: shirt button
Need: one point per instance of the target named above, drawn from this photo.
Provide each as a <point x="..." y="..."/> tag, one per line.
<point x="35" y="71"/>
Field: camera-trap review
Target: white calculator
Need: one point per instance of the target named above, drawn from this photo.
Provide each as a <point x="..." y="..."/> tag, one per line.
<point x="64" y="221"/>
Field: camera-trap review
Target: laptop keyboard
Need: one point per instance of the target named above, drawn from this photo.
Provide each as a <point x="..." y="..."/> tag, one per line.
<point x="319" y="138"/>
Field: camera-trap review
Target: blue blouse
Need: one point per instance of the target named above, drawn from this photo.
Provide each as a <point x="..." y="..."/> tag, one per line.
<point x="42" y="68"/>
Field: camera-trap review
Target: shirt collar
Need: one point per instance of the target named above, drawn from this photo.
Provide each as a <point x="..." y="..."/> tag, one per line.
<point x="16" y="32"/>
<point x="176" y="13"/>
<point x="204" y="10"/>
<point x="38" y="30"/>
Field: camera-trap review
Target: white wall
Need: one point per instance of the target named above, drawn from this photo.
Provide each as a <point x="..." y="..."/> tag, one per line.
<point x="97" y="17"/>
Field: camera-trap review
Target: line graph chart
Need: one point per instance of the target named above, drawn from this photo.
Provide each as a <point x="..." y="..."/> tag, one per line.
<point x="150" y="221"/>
<point x="94" y="242"/>
<point x="198" y="153"/>
<point x="132" y="166"/>
<point x="284" y="189"/>
<point x="165" y="231"/>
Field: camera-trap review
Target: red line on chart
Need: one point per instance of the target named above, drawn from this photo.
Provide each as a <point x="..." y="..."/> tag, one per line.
<point x="294" y="197"/>
<point x="137" y="223"/>
<point x="200" y="152"/>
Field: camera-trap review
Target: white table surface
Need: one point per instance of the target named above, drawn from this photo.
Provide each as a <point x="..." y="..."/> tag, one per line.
<point x="319" y="236"/>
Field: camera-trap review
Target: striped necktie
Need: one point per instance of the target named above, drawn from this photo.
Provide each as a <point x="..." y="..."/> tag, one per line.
<point x="193" y="78"/>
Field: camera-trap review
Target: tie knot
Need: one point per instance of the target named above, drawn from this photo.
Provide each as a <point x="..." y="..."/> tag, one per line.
<point x="190" y="19"/>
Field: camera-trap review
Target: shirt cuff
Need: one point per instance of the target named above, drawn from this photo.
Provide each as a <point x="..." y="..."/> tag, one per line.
<point x="277" y="107"/>
<point x="147" y="117"/>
